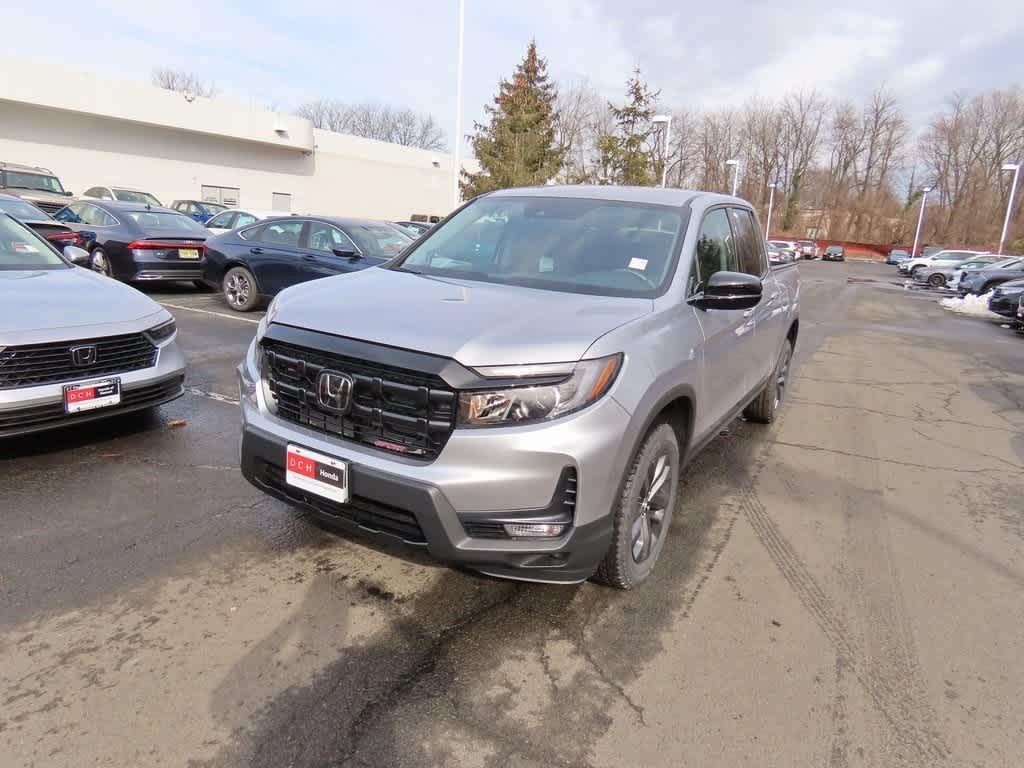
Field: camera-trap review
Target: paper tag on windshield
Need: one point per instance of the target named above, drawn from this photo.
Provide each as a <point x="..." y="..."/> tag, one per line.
<point x="547" y="264"/>
<point x="640" y="264"/>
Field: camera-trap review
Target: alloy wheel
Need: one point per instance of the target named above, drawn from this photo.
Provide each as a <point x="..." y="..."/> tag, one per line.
<point x="100" y="263"/>
<point x="237" y="289"/>
<point x="782" y="373"/>
<point x="649" y="524"/>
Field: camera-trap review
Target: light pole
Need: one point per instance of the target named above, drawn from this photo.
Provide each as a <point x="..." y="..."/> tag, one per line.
<point x="920" y="219"/>
<point x="457" y="138"/>
<point x="1015" y="167"/>
<point x="667" y="120"/>
<point x="771" y="204"/>
<point x="735" y="163"/>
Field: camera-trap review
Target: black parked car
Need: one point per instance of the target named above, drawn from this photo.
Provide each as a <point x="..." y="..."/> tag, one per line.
<point x="134" y="242"/>
<point x="254" y="263"/>
<point x="1006" y="298"/>
<point x="982" y="281"/>
<point x="834" y="253"/>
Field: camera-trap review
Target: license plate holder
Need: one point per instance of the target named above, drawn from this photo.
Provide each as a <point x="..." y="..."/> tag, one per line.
<point x="317" y="473"/>
<point x="191" y="254"/>
<point x="90" y="395"/>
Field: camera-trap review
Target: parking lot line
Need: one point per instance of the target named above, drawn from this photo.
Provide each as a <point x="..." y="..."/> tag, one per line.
<point x="209" y="312"/>
<point x="212" y="395"/>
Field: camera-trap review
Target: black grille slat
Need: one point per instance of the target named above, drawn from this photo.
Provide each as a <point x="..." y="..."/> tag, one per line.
<point x="38" y="415"/>
<point x="394" y="409"/>
<point x="30" y="365"/>
<point x="372" y="515"/>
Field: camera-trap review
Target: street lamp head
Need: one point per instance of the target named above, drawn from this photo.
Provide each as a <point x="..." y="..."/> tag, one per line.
<point x="927" y="188"/>
<point x="773" y="185"/>
<point x="732" y="161"/>
<point x="1011" y="167"/>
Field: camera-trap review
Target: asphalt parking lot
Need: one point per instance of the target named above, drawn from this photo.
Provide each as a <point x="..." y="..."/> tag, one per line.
<point x="840" y="589"/>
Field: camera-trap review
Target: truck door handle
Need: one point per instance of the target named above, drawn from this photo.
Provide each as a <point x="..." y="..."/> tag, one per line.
<point x="308" y="257"/>
<point x="256" y="250"/>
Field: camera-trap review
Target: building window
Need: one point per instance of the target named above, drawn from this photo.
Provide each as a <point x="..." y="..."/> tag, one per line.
<point x="281" y="201"/>
<point x="227" y="196"/>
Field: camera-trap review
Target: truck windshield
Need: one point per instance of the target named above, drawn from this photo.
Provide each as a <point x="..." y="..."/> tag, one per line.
<point x="35" y="181"/>
<point x="574" y="245"/>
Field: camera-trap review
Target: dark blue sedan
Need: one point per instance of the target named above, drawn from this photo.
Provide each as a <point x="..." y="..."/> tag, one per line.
<point x="255" y="262"/>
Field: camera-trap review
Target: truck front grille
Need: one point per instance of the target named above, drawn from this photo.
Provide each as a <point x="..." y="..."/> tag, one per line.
<point x="397" y="410"/>
<point x="30" y="365"/>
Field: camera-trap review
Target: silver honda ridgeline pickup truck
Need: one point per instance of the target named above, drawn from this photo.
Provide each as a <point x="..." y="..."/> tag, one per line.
<point x="519" y="390"/>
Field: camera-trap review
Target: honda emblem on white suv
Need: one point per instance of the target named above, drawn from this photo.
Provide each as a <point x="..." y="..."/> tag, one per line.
<point x="334" y="391"/>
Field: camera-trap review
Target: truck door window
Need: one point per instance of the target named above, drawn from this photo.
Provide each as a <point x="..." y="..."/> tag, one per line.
<point x="716" y="249"/>
<point x="748" y="245"/>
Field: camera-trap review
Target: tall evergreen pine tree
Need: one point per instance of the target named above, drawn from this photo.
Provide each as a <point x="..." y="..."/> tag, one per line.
<point x="626" y="155"/>
<point x="517" y="147"/>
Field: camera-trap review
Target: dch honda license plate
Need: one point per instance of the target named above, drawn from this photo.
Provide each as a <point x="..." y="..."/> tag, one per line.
<point x="315" y="473"/>
<point x="91" y="395"/>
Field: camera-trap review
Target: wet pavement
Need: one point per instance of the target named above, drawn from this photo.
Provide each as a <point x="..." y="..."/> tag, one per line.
<point x="839" y="589"/>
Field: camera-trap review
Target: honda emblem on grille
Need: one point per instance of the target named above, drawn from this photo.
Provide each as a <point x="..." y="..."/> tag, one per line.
<point x="334" y="391"/>
<point x="84" y="355"/>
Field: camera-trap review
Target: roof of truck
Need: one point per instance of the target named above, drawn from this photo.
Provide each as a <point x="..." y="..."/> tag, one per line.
<point x="651" y="195"/>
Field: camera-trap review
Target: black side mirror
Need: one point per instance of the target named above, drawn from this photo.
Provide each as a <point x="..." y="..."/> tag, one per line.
<point x="67" y="193"/>
<point x="345" y="253"/>
<point x="729" y="290"/>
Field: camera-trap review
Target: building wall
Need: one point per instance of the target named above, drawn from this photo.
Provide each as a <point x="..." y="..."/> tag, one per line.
<point x="91" y="131"/>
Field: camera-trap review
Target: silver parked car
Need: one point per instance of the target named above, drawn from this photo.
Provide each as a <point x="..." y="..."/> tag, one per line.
<point x="74" y="345"/>
<point x="943" y="274"/>
<point x="548" y="360"/>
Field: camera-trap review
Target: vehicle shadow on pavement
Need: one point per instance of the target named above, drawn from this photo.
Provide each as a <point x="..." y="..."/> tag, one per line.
<point x="472" y="670"/>
<point x="80" y="436"/>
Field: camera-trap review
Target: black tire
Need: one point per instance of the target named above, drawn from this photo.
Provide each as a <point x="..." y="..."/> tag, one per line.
<point x="765" y="406"/>
<point x="98" y="262"/>
<point x="937" y="280"/>
<point x="239" y="289"/>
<point x="644" y="511"/>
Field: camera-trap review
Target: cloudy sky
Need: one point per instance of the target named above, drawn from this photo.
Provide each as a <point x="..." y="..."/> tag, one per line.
<point x="403" y="52"/>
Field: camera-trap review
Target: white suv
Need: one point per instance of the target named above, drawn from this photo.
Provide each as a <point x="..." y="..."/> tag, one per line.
<point x="940" y="259"/>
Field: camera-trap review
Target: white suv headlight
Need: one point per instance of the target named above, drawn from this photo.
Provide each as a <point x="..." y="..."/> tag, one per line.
<point x="585" y="382"/>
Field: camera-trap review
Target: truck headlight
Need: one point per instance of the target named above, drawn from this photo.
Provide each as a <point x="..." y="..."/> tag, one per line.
<point x="584" y="383"/>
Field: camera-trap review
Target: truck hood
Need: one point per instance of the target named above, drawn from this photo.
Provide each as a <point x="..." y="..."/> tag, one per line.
<point x="46" y="304"/>
<point x="474" y="323"/>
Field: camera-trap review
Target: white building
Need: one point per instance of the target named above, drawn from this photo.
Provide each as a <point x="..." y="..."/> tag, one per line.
<point x="93" y="131"/>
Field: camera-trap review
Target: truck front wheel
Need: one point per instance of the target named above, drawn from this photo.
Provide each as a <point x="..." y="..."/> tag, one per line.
<point x="644" y="511"/>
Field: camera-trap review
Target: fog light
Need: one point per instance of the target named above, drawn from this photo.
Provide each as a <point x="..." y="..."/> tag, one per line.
<point x="534" y="530"/>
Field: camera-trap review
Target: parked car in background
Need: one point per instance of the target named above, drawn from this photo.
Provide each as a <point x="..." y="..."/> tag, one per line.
<point x="1019" y="322"/>
<point x="1006" y="298"/>
<point x="981" y="281"/>
<point x="808" y="249"/>
<point x="198" y="210"/>
<point x="896" y="256"/>
<point x="776" y="255"/>
<point x="559" y="355"/>
<point x="420" y="227"/>
<point x="254" y="263"/>
<point x="37" y="185"/>
<point x="789" y="247"/>
<point x="834" y="253"/>
<point x="936" y="259"/>
<point x="930" y="250"/>
<point x="946" y="274"/>
<point x="38" y="220"/>
<point x="135" y="242"/>
<point x="75" y="346"/>
<point x="123" y="194"/>
<point x="233" y="218"/>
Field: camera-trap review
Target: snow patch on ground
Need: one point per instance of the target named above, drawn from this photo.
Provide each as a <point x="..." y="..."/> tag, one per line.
<point x="975" y="306"/>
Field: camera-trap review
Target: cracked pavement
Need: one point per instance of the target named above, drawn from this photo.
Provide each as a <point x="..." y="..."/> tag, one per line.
<point x="840" y="589"/>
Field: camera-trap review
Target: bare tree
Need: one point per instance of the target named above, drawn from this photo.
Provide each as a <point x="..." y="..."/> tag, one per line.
<point x="375" y="121"/>
<point x="183" y="82"/>
<point x="803" y="114"/>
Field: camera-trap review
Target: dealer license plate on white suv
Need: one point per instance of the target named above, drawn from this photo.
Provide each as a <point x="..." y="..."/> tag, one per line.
<point x="318" y="474"/>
